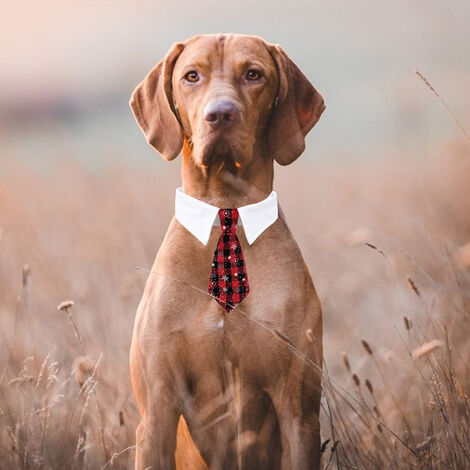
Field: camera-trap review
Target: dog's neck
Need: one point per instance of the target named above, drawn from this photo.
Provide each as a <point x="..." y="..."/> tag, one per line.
<point x="228" y="188"/>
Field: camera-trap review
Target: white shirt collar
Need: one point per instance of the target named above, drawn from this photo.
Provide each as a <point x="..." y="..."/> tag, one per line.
<point x="198" y="217"/>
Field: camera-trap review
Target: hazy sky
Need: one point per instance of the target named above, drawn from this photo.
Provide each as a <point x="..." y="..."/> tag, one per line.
<point x="360" y="54"/>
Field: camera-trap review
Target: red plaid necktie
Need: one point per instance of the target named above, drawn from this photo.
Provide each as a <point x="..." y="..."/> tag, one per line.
<point x="228" y="282"/>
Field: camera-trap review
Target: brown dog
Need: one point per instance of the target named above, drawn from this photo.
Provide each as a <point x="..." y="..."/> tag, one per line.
<point x="248" y="382"/>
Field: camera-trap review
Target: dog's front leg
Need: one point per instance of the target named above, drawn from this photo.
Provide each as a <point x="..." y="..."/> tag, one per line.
<point x="300" y="438"/>
<point x="297" y="404"/>
<point x="156" y="437"/>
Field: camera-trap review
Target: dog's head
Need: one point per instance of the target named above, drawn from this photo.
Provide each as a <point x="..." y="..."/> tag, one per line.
<point x="221" y="95"/>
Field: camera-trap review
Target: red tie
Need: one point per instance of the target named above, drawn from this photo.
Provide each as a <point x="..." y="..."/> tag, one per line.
<point x="228" y="282"/>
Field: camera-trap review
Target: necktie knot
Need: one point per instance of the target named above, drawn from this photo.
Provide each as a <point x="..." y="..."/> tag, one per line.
<point x="228" y="219"/>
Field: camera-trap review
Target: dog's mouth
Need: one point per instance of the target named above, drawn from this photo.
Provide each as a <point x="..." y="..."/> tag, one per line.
<point x="220" y="154"/>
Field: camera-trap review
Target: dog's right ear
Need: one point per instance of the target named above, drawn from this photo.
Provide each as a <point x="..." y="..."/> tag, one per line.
<point x="153" y="107"/>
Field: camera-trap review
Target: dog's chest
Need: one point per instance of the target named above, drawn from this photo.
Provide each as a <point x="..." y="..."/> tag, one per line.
<point x="276" y="276"/>
<point x="197" y="334"/>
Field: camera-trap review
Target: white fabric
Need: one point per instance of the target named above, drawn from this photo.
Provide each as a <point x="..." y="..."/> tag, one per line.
<point x="199" y="217"/>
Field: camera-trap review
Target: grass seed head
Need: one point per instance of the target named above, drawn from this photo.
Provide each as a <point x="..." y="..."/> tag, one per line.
<point x="25" y="274"/>
<point x="413" y="286"/>
<point x="82" y="368"/>
<point x="356" y="380"/>
<point x="65" y="305"/>
<point x="324" y="446"/>
<point x="23" y="379"/>
<point x="367" y="347"/>
<point x="344" y="356"/>
<point x="427" y="348"/>
<point x="408" y="323"/>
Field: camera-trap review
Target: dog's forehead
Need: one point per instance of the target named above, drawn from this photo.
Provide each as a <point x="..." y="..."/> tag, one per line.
<point x="207" y="48"/>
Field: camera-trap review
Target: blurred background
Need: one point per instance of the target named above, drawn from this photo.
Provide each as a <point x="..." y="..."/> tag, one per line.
<point x="68" y="69"/>
<point x="383" y="189"/>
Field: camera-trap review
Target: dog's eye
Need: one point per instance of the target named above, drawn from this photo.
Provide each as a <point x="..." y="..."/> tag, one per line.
<point x="192" y="76"/>
<point x="253" y="75"/>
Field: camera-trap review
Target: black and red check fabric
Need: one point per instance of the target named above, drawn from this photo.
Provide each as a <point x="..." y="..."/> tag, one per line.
<point x="228" y="281"/>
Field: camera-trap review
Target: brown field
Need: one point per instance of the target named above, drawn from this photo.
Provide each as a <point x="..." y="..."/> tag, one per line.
<point x="388" y="245"/>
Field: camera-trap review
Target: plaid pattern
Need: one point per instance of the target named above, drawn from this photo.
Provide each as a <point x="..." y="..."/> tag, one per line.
<point x="228" y="281"/>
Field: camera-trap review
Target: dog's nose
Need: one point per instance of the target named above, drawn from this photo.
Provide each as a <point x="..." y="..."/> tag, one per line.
<point x="220" y="113"/>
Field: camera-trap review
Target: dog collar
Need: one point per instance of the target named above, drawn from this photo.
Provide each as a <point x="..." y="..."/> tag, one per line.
<point x="198" y="217"/>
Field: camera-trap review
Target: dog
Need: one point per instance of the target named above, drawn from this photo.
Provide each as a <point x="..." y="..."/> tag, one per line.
<point x="246" y="382"/>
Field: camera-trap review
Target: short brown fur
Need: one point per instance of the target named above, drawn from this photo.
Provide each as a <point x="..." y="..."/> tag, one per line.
<point x="247" y="399"/>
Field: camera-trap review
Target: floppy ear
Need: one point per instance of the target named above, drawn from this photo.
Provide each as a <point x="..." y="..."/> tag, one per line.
<point x="298" y="108"/>
<point x="153" y="107"/>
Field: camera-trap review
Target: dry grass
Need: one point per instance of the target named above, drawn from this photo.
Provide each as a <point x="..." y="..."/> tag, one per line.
<point x="386" y="244"/>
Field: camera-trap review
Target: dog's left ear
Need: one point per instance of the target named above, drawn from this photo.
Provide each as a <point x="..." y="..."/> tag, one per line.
<point x="298" y="108"/>
<point x="153" y="107"/>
